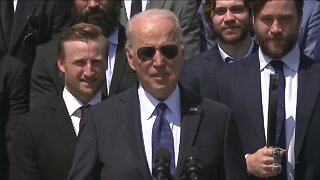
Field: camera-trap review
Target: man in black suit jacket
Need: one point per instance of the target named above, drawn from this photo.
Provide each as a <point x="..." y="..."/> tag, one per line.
<point x="115" y="142"/>
<point x="46" y="81"/>
<point x="44" y="144"/>
<point x="231" y="24"/>
<point x="50" y="17"/>
<point x="244" y="87"/>
<point x="13" y="103"/>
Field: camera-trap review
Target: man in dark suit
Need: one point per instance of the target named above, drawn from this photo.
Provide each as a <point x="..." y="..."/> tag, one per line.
<point x="185" y="10"/>
<point x="45" y="140"/>
<point x="244" y="87"/>
<point x="48" y="18"/>
<point x="118" y="140"/>
<point x="317" y="50"/>
<point x="231" y="24"/>
<point x="13" y="103"/>
<point x="46" y="81"/>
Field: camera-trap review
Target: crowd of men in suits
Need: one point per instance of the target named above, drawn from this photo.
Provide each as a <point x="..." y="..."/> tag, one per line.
<point x="142" y="59"/>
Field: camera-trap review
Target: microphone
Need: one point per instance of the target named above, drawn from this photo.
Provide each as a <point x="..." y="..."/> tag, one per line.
<point x="192" y="165"/>
<point x="161" y="164"/>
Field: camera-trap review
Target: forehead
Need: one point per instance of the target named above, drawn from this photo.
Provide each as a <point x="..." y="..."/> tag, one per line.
<point x="103" y="3"/>
<point x="278" y="7"/>
<point x="228" y="3"/>
<point x="79" y="48"/>
<point x="149" y="32"/>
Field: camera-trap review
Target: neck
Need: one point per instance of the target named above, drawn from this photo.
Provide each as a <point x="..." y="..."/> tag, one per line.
<point x="237" y="50"/>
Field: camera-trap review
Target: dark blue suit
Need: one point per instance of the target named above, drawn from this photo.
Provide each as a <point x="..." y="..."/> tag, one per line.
<point x="239" y="87"/>
<point x="111" y="145"/>
<point x="194" y="73"/>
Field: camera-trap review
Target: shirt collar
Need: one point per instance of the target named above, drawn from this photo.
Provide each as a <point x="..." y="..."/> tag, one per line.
<point x="148" y="103"/>
<point x="73" y="103"/>
<point x="292" y="59"/>
<point x="113" y="38"/>
<point x="224" y="55"/>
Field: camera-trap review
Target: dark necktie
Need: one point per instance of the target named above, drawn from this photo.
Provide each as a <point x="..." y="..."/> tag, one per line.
<point x="7" y="13"/>
<point x="162" y="135"/>
<point x="136" y="7"/>
<point x="229" y="60"/>
<point x="82" y="109"/>
<point x="281" y="113"/>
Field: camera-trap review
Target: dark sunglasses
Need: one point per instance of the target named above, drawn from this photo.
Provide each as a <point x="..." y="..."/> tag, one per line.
<point x="169" y="51"/>
<point x="31" y="40"/>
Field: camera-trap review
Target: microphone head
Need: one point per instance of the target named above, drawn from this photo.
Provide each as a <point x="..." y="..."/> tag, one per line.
<point x="192" y="165"/>
<point x="161" y="164"/>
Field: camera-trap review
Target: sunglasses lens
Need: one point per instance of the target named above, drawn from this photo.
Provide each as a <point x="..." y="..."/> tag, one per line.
<point x="169" y="51"/>
<point x="146" y="53"/>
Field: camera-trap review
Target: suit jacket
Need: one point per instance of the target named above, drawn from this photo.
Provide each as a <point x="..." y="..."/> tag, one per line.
<point x="44" y="144"/>
<point x="47" y="81"/>
<point x="310" y="27"/>
<point x="53" y="17"/>
<point x="317" y="50"/>
<point x="238" y="86"/>
<point x="186" y="12"/>
<point x="194" y="73"/>
<point x="13" y="102"/>
<point x="111" y="144"/>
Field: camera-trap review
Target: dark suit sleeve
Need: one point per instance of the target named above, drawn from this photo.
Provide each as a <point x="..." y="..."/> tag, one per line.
<point x="43" y="86"/>
<point x="235" y="165"/>
<point x="210" y="88"/>
<point x="23" y="160"/>
<point x="190" y="28"/>
<point x="85" y="164"/>
<point x="317" y="50"/>
<point x="18" y="93"/>
<point x="62" y="17"/>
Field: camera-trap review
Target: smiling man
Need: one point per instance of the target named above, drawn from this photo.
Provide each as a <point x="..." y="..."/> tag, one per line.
<point x="46" y="138"/>
<point x="231" y="23"/>
<point x="122" y="135"/>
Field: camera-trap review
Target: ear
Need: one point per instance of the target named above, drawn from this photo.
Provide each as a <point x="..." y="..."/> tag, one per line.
<point x="130" y="58"/>
<point x="60" y="64"/>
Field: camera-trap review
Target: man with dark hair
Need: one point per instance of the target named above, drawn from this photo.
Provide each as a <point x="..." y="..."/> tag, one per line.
<point x="122" y="134"/>
<point x="45" y="80"/>
<point x="294" y="106"/>
<point x="45" y="139"/>
<point x="231" y="24"/>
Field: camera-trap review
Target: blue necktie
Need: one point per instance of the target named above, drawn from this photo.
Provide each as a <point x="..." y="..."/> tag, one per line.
<point x="162" y="135"/>
<point x="281" y="113"/>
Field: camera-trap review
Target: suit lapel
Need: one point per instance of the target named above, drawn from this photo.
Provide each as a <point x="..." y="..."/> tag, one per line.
<point x="308" y="92"/>
<point x="190" y="119"/>
<point x="24" y="9"/>
<point x="251" y="85"/>
<point x="123" y="14"/>
<point x="120" y="62"/>
<point x="133" y="132"/>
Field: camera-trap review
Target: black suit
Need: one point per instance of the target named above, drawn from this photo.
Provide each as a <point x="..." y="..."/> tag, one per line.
<point x="195" y="72"/>
<point x="47" y="82"/>
<point x="44" y="144"/>
<point x="111" y="145"/>
<point x="13" y="102"/>
<point x="238" y="86"/>
<point x="54" y="17"/>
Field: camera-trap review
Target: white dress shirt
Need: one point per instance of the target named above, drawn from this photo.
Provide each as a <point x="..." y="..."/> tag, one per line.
<point x="290" y="68"/>
<point x="127" y="5"/>
<point x="148" y="115"/>
<point x="73" y="104"/>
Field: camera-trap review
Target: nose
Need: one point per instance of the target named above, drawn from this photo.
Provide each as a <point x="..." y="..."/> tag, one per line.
<point x="88" y="70"/>
<point x="276" y="26"/>
<point x="229" y="16"/>
<point x="158" y="59"/>
<point x="93" y="3"/>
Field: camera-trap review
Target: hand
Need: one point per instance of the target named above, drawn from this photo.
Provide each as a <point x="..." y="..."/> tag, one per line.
<point x="260" y="163"/>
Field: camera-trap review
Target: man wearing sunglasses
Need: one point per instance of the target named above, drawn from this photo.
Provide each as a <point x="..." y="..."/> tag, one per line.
<point x="121" y="138"/>
<point x="46" y="82"/>
<point x="231" y="24"/>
